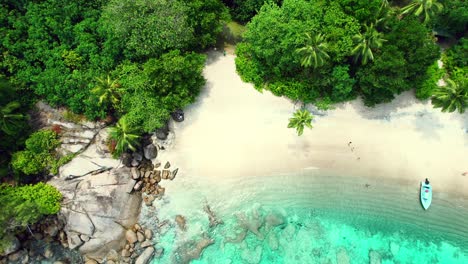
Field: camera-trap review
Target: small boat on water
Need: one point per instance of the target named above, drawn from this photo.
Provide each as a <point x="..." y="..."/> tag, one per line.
<point x="426" y="194"/>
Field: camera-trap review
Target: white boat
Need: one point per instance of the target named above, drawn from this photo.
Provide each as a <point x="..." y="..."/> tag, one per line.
<point x="426" y="194"/>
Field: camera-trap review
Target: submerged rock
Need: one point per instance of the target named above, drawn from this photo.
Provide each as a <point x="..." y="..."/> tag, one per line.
<point x="342" y="256"/>
<point x="181" y="222"/>
<point x="191" y="250"/>
<point x="394" y="248"/>
<point x="145" y="256"/>
<point x="374" y="257"/>
<point x="252" y="257"/>
<point x="273" y="241"/>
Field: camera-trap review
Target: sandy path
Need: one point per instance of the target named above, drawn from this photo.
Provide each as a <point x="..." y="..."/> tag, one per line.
<point x="233" y="130"/>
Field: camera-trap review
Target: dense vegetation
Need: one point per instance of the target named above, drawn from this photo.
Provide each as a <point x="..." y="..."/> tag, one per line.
<point x="103" y="58"/>
<point x="336" y="50"/>
<point x="132" y="61"/>
<point x="25" y="205"/>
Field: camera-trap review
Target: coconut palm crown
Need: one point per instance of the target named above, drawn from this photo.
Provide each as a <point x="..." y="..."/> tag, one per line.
<point x="314" y="52"/>
<point x="301" y="118"/>
<point x="370" y="40"/>
<point x="107" y="91"/>
<point x="125" y="136"/>
<point x="451" y="97"/>
<point x="423" y="7"/>
<point x="10" y="119"/>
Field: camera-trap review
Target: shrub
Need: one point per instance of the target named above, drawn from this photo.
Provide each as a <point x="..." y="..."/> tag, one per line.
<point x="433" y="75"/>
<point x="38" y="155"/>
<point x="27" y="162"/>
<point x="42" y="141"/>
<point x="25" y="205"/>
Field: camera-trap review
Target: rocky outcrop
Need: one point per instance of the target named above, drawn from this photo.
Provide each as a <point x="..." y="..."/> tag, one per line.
<point x="139" y="247"/>
<point x="75" y="137"/>
<point x="97" y="207"/>
<point x="92" y="159"/>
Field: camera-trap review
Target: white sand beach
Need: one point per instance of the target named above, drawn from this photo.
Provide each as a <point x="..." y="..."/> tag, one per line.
<point x="235" y="131"/>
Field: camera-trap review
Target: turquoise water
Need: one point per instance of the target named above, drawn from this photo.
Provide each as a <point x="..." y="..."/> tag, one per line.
<point x="311" y="218"/>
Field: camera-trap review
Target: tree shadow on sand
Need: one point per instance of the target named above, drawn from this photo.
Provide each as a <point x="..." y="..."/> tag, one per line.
<point x="190" y="112"/>
<point x="406" y="107"/>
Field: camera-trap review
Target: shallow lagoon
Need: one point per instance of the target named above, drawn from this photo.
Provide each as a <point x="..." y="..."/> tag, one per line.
<point x="311" y="217"/>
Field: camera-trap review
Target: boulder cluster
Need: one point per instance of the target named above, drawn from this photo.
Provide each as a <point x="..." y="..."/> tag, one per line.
<point x="138" y="248"/>
<point x="45" y="241"/>
<point x="147" y="178"/>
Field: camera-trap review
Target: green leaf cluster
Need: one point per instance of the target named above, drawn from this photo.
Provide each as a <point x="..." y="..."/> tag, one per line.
<point x="38" y="155"/>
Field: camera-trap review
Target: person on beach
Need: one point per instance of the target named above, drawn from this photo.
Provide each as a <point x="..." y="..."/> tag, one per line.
<point x="427" y="181"/>
<point x="349" y="144"/>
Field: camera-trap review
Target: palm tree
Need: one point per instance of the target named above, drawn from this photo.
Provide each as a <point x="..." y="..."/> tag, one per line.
<point x="301" y="118"/>
<point x="124" y="136"/>
<point x="314" y="52"/>
<point x="418" y="7"/>
<point x="108" y="91"/>
<point x="365" y="43"/>
<point x="451" y="97"/>
<point x="9" y="120"/>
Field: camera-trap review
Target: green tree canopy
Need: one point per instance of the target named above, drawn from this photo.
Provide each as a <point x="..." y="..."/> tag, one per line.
<point x="401" y="50"/>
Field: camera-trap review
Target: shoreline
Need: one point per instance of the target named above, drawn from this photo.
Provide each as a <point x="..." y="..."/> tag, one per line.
<point x="234" y="130"/>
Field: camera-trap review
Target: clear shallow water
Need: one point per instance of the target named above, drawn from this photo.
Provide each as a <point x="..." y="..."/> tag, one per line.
<point x="312" y="218"/>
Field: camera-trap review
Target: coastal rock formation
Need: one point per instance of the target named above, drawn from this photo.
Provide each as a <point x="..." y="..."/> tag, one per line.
<point x="97" y="206"/>
<point x="191" y="250"/>
<point x="214" y="221"/>
<point x="145" y="256"/>
<point x="342" y="256"/>
<point x="74" y="137"/>
<point x="138" y="248"/>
